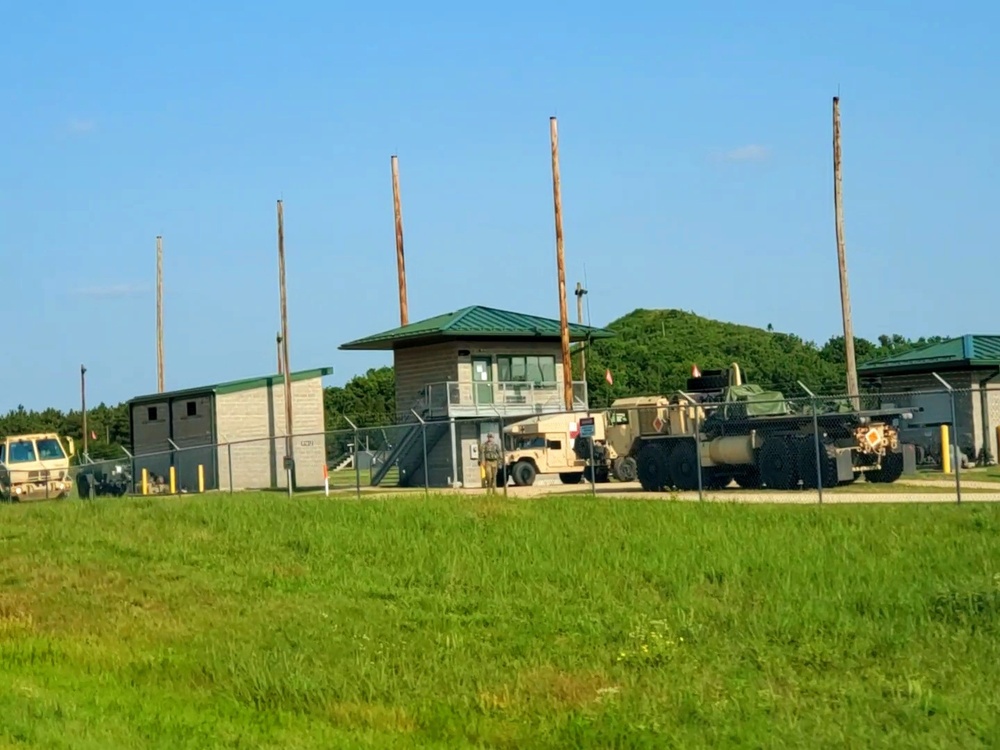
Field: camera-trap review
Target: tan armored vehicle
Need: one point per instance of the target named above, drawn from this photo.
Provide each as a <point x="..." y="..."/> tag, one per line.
<point x="548" y="444"/>
<point x="35" y="467"/>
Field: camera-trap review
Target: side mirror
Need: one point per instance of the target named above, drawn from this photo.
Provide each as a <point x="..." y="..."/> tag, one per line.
<point x="72" y="447"/>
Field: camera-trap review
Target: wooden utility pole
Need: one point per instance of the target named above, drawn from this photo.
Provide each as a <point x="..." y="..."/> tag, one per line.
<point x="159" y="315"/>
<point x="404" y="314"/>
<point x="284" y="343"/>
<point x="580" y="291"/>
<point x="83" y="407"/>
<point x="845" y="295"/>
<point x="561" y="267"/>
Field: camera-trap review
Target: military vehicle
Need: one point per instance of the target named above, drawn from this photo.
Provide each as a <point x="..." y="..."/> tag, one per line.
<point x="115" y="480"/>
<point x="547" y="444"/>
<point x="757" y="438"/>
<point x="35" y="467"/>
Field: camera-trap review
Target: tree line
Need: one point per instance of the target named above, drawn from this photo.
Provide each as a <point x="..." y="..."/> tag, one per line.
<point x="653" y="352"/>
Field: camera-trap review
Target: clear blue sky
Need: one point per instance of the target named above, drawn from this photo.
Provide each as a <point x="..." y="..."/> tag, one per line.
<point x="695" y="155"/>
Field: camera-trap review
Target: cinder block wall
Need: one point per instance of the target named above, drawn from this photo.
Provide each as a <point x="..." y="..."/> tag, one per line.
<point x="247" y="420"/>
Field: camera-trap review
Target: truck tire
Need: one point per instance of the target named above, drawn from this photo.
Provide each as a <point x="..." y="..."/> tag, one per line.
<point x="684" y="466"/>
<point x="523" y="473"/>
<point x="778" y="464"/>
<point x="571" y="477"/>
<point x="601" y="475"/>
<point x="807" y="465"/>
<point x="748" y="477"/>
<point x="892" y="469"/>
<point x="652" y="468"/>
<point x="716" y="477"/>
<point x="624" y="469"/>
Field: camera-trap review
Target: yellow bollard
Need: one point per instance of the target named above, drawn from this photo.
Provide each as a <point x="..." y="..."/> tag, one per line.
<point x="173" y="480"/>
<point x="945" y="450"/>
<point x="201" y="478"/>
<point x="145" y="481"/>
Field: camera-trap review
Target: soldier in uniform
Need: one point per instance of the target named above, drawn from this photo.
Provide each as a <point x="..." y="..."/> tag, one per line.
<point x="489" y="459"/>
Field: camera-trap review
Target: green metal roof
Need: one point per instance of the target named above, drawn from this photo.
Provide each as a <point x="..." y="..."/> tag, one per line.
<point x="476" y="322"/>
<point x="234" y="386"/>
<point x="957" y="353"/>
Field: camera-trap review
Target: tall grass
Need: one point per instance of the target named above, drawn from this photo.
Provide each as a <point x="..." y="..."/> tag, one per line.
<point x="255" y="621"/>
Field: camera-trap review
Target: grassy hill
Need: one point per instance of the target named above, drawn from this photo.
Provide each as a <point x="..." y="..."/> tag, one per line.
<point x="655" y="350"/>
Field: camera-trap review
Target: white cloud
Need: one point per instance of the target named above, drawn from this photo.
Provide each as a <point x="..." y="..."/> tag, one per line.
<point x="114" y="290"/>
<point x="750" y="152"/>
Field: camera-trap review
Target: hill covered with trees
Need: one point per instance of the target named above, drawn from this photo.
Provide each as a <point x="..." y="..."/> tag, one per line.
<point x="652" y="353"/>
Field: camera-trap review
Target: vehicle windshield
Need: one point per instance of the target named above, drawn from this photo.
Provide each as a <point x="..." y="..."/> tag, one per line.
<point x="617" y="417"/>
<point x="49" y="449"/>
<point x="21" y="451"/>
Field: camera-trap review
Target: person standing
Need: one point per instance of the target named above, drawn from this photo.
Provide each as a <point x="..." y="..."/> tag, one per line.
<point x="489" y="459"/>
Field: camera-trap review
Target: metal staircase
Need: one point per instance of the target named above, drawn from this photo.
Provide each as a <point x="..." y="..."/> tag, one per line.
<point x="408" y="454"/>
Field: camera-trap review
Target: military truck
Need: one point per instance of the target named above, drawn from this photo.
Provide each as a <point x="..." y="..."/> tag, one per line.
<point x="548" y="444"/>
<point x="35" y="467"/>
<point x="757" y="438"/>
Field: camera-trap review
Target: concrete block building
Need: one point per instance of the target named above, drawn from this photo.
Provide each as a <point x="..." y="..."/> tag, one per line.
<point x="234" y="430"/>
<point x="461" y="372"/>
<point x="970" y="364"/>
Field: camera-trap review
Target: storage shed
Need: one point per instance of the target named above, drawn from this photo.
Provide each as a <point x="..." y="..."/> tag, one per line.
<point x="971" y="365"/>
<point x="236" y="427"/>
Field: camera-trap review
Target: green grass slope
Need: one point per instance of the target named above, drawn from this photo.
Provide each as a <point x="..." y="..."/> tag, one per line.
<point x="252" y="622"/>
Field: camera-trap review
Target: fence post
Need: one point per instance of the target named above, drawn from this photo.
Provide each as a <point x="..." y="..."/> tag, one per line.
<point x="503" y="454"/>
<point x="697" y="449"/>
<point x="816" y="446"/>
<point x="357" y="465"/>
<point x="423" y="437"/>
<point x="954" y="440"/>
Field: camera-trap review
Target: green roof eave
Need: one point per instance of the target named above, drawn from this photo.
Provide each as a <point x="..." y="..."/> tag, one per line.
<point x="475" y="323"/>
<point x="234" y="386"/>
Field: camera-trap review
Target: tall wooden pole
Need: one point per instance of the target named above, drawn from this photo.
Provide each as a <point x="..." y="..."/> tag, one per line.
<point x="284" y="342"/>
<point x="580" y="291"/>
<point x="404" y="314"/>
<point x="159" y="315"/>
<point x="561" y="267"/>
<point x="845" y="294"/>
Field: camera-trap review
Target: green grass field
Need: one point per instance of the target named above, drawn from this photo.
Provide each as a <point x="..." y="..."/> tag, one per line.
<point x="254" y="621"/>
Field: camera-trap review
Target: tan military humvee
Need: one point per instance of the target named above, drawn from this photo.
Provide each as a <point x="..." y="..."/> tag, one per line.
<point x="35" y="467"/>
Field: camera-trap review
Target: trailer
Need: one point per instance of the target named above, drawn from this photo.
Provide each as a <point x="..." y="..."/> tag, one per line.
<point x="758" y="438"/>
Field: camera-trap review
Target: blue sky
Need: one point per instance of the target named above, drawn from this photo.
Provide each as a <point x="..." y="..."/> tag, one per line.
<point x="695" y="156"/>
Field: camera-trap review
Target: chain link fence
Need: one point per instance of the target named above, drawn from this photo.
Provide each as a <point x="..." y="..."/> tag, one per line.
<point x="746" y="443"/>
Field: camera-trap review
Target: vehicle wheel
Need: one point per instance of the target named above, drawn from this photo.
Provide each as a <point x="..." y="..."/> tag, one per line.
<point x="571" y="477"/>
<point x="892" y="469"/>
<point x="624" y="469"/>
<point x="600" y="475"/>
<point x="523" y="473"/>
<point x="716" y="477"/>
<point x="778" y="464"/>
<point x="748" y="478"/>
<point x="807" y="464"/>
<point x="684" y="465"/>
<point x="652" y="468"/>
